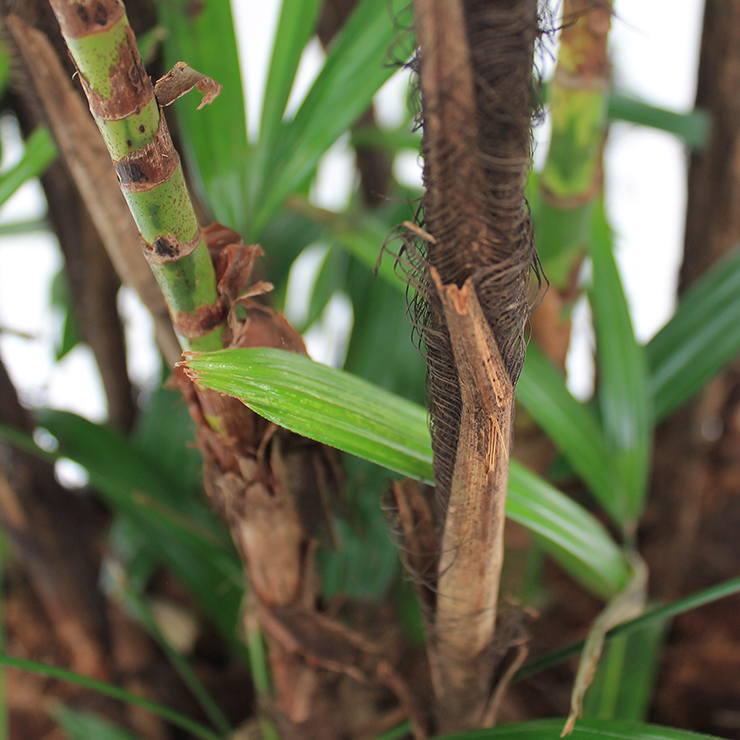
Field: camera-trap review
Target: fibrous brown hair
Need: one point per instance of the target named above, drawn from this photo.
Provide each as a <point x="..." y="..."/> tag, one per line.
<point x="476" y="116"/>
<point x="469" y="261"/>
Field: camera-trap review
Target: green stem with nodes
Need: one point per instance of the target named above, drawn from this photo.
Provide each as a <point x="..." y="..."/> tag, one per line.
<point x="578" y="97"/>
<point x="123" y="104"/>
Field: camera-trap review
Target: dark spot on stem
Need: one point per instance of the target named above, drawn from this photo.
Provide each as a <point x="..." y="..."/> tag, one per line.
<point x="130" y="171"/>
<point x="101" y="15"/>
<point x="141" y="128"/>
<point x="129" y="143"/>
<point x="163" y="248"/>
<point x="82" y="12"/>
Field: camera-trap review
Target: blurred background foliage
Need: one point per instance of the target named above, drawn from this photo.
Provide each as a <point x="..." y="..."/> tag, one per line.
<point x="157" y="557"/>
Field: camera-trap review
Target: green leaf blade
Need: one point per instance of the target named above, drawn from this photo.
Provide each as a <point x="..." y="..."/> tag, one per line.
<point x="699" y="340"/>
<point x="215" y="138"/>
<point x="572" y="427"/>
<point x="323" y="404"/>
<point x="39" y="153"/>
<point x="587" y="729"/>
<point x="336" y="408"/>
<point x="356" y="67"/>
<point x="623" y="392"/>
<point x="295" y="27"/>
<point x="566" y="532"/>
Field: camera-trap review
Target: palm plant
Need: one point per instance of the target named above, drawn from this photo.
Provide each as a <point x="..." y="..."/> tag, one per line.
<point x="303" y="537"/>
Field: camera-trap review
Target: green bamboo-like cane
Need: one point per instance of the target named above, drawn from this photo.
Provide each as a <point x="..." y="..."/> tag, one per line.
<point x="122" y="102"/>
<point x="578" y="97"/>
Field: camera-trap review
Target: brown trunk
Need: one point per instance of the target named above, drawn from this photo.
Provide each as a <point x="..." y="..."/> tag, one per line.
<point x="471" y="266"/>
<point x="712" y="228"/>
<point x="690" y="528"/>
<point x="55" y="536"/>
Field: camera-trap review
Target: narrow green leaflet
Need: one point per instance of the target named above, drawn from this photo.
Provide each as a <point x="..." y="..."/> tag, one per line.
<point x="215" y="138"/>
<point x="572" y="427"/>
<point x="135" y="603"/>
<point x="61" y="674"/>
<point x="79" y="725"/>
<point x="296" y="26"/>
<point x="70" y="334"/>
<point x="344" y="411"/>
<point x="361" y="58"/>
<point x="395" y="140"/>
<point x="623" y="389"/>
<point x="699" y="340"/>
<point x="39" y="153"/>
<point x="653" y="616"/>
<point x="692" y="127"/>
<point x="165" y="438"/>
<point x="587" y="729"/>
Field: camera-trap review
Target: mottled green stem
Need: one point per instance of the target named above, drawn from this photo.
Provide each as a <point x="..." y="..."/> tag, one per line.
<point x="578" y="99"/>
<point x="123" y="104"/>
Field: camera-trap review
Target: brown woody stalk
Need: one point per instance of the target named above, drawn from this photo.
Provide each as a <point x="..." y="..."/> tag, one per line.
<point x="472" y="277"/>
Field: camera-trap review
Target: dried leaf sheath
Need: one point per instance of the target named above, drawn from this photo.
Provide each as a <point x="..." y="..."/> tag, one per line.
<point x="471" y="282"/>
<point x="472" y="545"/>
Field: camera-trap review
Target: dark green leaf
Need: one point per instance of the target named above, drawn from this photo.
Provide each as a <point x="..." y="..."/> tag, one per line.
<point x="77" y="725"/>
<point x="331" y="278"/>
<point x="70" y="335"/>
<point x="165" y="437"/>
<point x="623" y="390"/>
<point x="215" y="138"/>
<point x="366" y="562"/>
<point x="700" y="339"/>
<point x="60" y="674"/>
<point x="380" y="348"/>
<point x="344" y="411"/>
<point x="360" y="59"/>
<point x="693" y="127"/>
<point x="361" y="235"/>
<point x="296" y="26"/>
<point x="395" y="140"/>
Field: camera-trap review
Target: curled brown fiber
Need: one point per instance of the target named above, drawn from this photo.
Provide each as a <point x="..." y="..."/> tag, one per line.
<point x="476" y="78"/>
